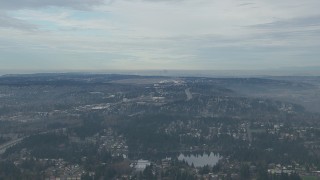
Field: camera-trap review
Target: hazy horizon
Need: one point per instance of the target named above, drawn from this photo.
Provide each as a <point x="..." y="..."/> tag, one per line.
<point x="307" y="71"/>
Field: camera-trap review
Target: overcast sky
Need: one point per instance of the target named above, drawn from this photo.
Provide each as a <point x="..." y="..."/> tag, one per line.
<point x="159" y="34"/>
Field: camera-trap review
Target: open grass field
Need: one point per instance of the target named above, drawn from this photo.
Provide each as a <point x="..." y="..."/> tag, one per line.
<point x="310" y="178"/>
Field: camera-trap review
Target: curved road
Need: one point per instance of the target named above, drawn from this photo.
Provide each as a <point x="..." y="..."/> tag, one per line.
<point x="9" y="144"/>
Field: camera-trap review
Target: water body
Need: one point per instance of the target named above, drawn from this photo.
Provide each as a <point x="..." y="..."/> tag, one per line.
<point x="200" y="160"/>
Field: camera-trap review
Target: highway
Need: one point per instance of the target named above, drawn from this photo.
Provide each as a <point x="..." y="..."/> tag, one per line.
<point x="188" y="93"/>
<point x="9" y="144"/>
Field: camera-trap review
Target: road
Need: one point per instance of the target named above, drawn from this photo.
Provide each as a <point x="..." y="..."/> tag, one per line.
<point x="188" y="93"/>
<point x="9" y="144"/>
<point x="249" y="133"/>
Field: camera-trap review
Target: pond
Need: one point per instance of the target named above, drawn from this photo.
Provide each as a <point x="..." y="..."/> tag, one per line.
<point x="200" y="160"/>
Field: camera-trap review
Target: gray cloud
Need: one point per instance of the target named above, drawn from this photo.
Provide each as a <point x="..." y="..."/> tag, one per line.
<point x="312" y="21"/>
<point x="302" y="31"/>
<point x="159" y="33"/>
<point x="10" y="22"/>
<point x="25" y="4"/>
<point x="246" y="4"/>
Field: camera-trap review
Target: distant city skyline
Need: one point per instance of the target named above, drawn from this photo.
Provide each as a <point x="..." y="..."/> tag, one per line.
<point x="131" y="35"/>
